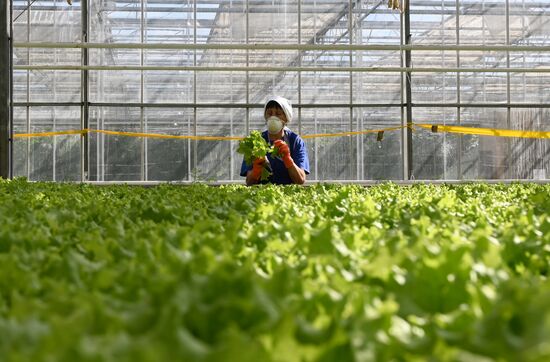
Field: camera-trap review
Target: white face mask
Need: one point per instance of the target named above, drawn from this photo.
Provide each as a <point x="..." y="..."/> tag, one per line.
<point x="274" y="125"/>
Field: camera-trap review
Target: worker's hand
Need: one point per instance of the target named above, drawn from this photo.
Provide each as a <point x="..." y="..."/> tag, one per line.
<point x="257" y="167"/>
<point x="284" y="151"/>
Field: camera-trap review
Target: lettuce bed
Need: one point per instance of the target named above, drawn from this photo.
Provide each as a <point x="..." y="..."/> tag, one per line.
<point x="321" y="273"/>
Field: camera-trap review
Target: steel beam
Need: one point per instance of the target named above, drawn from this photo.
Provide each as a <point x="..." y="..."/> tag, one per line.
<point x="279" y="46"/>
<point x="408" y="91"/>
<point x="85" y="107"/>
<point x="5" y="71"/>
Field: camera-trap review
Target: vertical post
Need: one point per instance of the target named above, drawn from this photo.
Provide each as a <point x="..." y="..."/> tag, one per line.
<point x="142" y="125"/>
<point x="441" y="30"/>
<point x="458" y="119"/>
<point x="11" y="94"/>
<point x="404" y="161"/>
<point x="195" y="171"/>
<point x="28" y="96"/>
<point x="189" y="91"/>
<point x="84" y="111"/>
<point x="4" y="92"/>
<point x="350" y="33"/>
<point x="408" y="88"/>
<point x="300" y="55"/>
<point x="509" y="172"/>
<point x="247" y="35"/>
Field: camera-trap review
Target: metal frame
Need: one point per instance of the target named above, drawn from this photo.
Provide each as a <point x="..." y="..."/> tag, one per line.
<point x="10" y="160"/>
<point x="282" y="46"/>
<point x="294" y="105"/>
<point x="405" y="48"/>
<point x="5" y="90"/>
<point x="84" y="88"/>
<point x="288" y="69"/>
<point x="408" y="93"/>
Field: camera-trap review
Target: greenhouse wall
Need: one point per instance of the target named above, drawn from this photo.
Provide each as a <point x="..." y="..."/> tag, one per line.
<point x="205" y="68"/>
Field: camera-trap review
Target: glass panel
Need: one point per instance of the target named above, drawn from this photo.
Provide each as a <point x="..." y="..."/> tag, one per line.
<point x="258" y="122"/>
<point x="218" y="160"/>
<point x="21" y="56"/>
<point x="435" y="155"/>
<point x="20" y="145"/>
<point x="529" y="22"/>
<point x="115" y="86"/>
<point x="434" y="87"/>
<point x="20" y="78"/>
<point x="325" y="88"/>
<point x="486" y="86"/>
<point x="168" y="159"/>
<point x="115" y="157"/>
<point x="115" y="22"/>
<point x="316" y="18"/>
<point x="482" y="88"/>
<point x="529" y="157"/>
<point x="168" y="21"/>
<point x="167" y="86"/>
<point x="529" y="87"/>
<point x="376" y="58"/>
<point x="381" y="160"/>
<point x="50" y="158"/>
<point x="55" y="21"/>
<point x="482" y="23"/>
<point x="54" y="86"/>
<point x="221" y="87"/>
<point x="376" y="24"/>
<point x="433" y="22"/>
<point x="21" y="21"/>
<point x="273" y="21"/>
<point x="377" y="87"/>
<point x="484" y="157"/>
<point x="331" y="158"/>
<point x="49" y="56"/>
<point x="223" y="21"/>
<point x="114" y="57"/>
<point x="263" y="84"/>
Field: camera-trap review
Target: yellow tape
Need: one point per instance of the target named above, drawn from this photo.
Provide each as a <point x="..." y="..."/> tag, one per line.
<point x="433" y="127"/>
<point x="48" y="134"/>
<point x="351" y="133"/>
<point x="207" y="138"/>
<point x="486" y="131"/>
<point x="158" y="135"/>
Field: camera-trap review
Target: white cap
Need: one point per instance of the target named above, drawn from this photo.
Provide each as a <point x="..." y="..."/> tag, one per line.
<point x="284" y="103"/>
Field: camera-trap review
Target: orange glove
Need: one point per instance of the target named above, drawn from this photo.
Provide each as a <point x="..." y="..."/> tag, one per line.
<point x="257" y="167"/>
<point x="284" y="151"/>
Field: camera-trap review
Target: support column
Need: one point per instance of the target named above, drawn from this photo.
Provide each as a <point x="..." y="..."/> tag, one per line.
<point x="85" y="113"/>
<point x="408" y="89"/>
<point x="5" y="71"/>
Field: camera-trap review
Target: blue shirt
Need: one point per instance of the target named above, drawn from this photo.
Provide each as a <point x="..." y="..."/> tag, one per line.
<point x="298" y="152"/>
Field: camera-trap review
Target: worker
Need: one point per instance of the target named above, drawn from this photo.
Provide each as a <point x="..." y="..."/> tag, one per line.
<point x="293" y="164"/>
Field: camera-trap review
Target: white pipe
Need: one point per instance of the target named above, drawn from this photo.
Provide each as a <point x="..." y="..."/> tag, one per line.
<point x="255" y="46"/>
<point x="284" y="69"/>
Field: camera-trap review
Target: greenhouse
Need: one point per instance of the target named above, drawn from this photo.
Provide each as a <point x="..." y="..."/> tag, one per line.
<point x="205" y="68"/>
<point x="275" y="180"/>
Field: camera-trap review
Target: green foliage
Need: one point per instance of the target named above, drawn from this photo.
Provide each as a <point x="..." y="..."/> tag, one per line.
<point x="255" y="146"/>
<point x="320" y="273"/>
